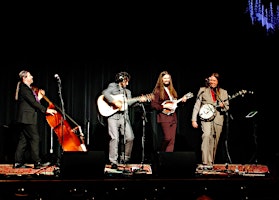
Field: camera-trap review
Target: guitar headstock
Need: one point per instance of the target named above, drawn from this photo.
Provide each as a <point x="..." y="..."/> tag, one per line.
<point x="240" y="93"/>
<point x="189" y="95"/>
<point x="147" y="97"/>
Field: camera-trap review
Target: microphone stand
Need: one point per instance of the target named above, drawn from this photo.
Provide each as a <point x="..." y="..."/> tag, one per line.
<point x="251" y="116"/>
<point x="124" y="128"/>
<point x="61" y="98"/>
<point x="228" y="116"/>
<point x="144" y="120"/>
<point x="63" y="113"/>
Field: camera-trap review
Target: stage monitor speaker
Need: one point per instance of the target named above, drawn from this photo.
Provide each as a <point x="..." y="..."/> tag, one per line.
<point x="82" y="165"/>
<point x="176" y="164"/>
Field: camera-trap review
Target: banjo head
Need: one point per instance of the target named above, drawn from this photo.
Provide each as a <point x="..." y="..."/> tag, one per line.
<point x="207" y="112"/>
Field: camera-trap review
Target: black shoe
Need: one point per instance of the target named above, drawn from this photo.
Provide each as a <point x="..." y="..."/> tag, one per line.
<point x="39" y="165"/>
<point x="127" y="162"/>
<point x="113" y="166"/>
<point x="20" y="165"/>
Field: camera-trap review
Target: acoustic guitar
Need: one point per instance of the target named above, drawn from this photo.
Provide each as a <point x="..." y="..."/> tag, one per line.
<point x="106" y="109"/>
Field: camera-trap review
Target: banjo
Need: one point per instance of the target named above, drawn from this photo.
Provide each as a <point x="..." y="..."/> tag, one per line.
<point x="208" y="111"/>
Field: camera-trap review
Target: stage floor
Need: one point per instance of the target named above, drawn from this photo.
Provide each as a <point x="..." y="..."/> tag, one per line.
<point x="221" y="170"/>
<point x="141" y="181"/>
<point x="8" y="170"/>
<point x="217" y="170"/>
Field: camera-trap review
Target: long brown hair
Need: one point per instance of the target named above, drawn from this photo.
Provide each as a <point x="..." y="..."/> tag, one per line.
<point x="159" y="87"/>
<point x="217" y="76"/>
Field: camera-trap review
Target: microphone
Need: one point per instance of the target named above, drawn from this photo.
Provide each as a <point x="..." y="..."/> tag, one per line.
<point x="207" y="81"/>
<point x="57" y="77"/>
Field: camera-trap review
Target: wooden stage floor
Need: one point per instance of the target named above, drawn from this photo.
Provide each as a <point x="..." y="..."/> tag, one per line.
<point x="142" y="181"/>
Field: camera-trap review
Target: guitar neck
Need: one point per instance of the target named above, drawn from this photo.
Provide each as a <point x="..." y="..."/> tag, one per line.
<point x="179" y="100"/>
<point x="239" y="93"/>
<point x="135" y="99"/>
<point x="188" y="96"/>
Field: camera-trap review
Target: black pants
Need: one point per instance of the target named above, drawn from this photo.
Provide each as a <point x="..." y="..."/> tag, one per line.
<point x="29" y="135"/>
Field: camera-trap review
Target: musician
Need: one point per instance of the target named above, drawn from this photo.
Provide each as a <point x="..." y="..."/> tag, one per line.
<point x="163" y="91"/>
<point x="211" y="104"/>
<point x="28" y="102"/>
<point x="117" y="95"/>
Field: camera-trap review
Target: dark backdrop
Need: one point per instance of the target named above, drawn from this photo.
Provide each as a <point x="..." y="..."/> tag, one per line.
<point x="87" y="45"/>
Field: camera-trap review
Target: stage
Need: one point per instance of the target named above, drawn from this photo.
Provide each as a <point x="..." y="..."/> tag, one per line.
<point x="140" y="181"/>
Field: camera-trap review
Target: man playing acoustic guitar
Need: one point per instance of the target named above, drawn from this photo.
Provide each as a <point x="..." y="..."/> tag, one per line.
<point x="117" y="98"/>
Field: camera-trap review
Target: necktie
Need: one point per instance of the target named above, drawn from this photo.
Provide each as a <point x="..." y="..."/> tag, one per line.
<point x="213" y="95"/>
<point x="36" y="96"/>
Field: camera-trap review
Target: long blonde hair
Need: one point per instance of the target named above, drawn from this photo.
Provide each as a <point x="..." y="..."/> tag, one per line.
<point x="21" y="75"/>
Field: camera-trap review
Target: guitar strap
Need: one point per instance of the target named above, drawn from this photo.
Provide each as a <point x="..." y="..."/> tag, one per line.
<point x="168" y="92"/>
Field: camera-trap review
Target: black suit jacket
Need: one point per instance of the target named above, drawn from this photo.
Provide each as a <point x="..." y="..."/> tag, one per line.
<point x="27" y="106"/>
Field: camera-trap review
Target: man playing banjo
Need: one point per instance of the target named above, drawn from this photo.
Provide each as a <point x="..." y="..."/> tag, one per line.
<point x="211" y="104"/>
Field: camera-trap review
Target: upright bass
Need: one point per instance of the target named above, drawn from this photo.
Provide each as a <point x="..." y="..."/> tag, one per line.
<point x="67" y="136"/>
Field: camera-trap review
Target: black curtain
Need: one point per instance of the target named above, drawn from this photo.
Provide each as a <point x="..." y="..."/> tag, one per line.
<point x="173" y="40"/>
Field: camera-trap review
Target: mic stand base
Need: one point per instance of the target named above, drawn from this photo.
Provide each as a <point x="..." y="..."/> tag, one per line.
<point x="140" y="170"/>
<point x="124" y="171"/>
<point x="254" y="159"/>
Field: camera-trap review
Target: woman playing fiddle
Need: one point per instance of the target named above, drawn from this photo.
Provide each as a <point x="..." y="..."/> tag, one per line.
<point x="28" y="101"/>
